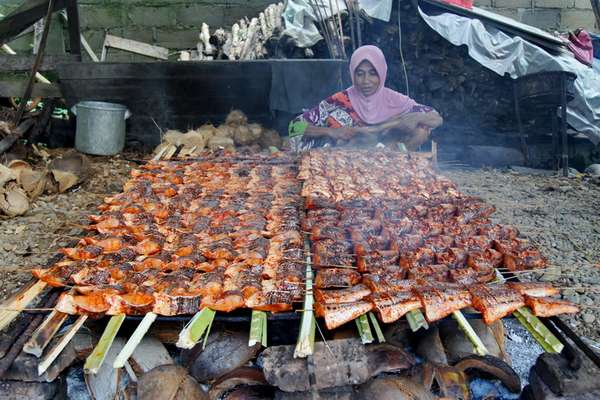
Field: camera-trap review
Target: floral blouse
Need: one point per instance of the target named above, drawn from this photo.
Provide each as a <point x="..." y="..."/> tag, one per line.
<point x="336" y="111"/>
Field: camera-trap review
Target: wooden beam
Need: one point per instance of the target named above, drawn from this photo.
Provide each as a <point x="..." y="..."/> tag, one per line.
<point x="133" y="46"/>
<point x="24" y="63"/>
<point x="74" y="29"/>
<point x="16" y="89"/>
<point x="39" y="57"/>
<point x="25" y="16"/>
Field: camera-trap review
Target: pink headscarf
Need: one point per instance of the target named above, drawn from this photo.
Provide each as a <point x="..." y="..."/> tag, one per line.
<point x="384" y="103"/>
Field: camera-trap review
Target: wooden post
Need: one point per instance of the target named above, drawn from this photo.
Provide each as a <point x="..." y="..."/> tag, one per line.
<point x="74" y="29"/>
<point x="36" y="65"/>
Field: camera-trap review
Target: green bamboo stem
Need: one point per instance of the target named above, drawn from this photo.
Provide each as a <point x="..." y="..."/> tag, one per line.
<point x="198" y="327"/>
<point x="306" y="338"/>
<point x="364" y="330"/>
<point x="134" y="340"/>
<point x="96" y="358"/>
<point x="378" y="330"/>
<point x="538" y="330"/>
<point x="464" y="325"/>
<point x="258" y="327"/>
<point x="416" y="320"/>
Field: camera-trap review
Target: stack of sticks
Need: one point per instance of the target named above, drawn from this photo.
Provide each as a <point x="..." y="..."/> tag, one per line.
<point x="220" y="233"/>
<point x="390" y="235"/>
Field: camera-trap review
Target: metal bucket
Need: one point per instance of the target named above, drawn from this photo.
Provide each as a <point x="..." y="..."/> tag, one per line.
<point x="100" y="127"/>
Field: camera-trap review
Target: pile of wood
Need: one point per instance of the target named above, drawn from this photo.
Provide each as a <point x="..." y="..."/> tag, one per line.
<point x="245" y="41"/>
<point x="235" y="132"/>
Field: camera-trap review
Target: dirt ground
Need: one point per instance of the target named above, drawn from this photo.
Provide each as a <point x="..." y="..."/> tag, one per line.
<point x="54" y="221"/>
<point x="560" y="215"/>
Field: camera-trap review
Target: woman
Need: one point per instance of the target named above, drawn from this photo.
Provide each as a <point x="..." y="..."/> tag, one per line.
<point x="367" y="111"/>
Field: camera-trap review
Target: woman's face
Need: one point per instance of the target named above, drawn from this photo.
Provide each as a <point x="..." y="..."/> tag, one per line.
<point x="366" y="78"/>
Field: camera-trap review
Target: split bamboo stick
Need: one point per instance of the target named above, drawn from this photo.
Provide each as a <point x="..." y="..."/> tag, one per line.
<point x="54" y="352"/>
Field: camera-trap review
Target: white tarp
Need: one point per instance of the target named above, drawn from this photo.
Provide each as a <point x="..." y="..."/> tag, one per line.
<point x="503" y="54"/>
<point x="300" y="17"/>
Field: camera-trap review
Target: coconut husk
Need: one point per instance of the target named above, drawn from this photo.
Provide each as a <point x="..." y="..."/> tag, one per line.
<point x="195" y="139"/>
<point x="236" y="118"/>
<point x="172" y="137"/>
<point x="219" y="142"/>
<point x="6" y="175"/>
<point x="226" y="131"/>
<point x="13" y="200"/>
<point x="270" y="137"/>
<point x="245" y="135"/>
<point x="208" y="130"/>
<point x="33" y="182"/>
<point x="70" y="170"/>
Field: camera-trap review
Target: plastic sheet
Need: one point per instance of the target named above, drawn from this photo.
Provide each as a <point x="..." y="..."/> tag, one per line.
<point x="300" y="17"/>
<point x="515" y="56"/>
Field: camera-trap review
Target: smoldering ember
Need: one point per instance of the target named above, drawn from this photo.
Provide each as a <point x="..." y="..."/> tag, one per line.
<point x="309" y="199"/>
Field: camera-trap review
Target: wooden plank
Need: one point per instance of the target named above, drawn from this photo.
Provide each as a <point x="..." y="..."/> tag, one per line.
<point x="9" y="310"/>
<point x="133" y="46"/>
<point x="24" y="16"/>
<point x="44" y="333"/>
<point x="74" y="29"/>
<point x="24" y="63"/>
<point x="16" y="89"/>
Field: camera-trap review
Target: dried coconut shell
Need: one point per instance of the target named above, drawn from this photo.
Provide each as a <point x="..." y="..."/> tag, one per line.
<point x="18" y="165"/>
<point x="236" y="118"/>
<point x="71" y="169"/>
<point x="270" y="137"/>
<point x="13" y="201"/>
<point x="65" y="179"/>
<point x="33" y="182"/>
<point x="6" y="175"/>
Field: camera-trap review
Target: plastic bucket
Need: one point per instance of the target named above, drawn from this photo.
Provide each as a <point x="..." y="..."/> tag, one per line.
<point x="100" y="127"/>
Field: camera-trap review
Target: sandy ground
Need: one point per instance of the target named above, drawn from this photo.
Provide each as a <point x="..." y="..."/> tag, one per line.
<point x="560" y="215"/>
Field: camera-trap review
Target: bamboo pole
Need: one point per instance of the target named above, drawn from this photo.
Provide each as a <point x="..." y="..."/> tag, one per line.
<point x="96" y="358"/>
<point x="198" y="327"/>
<point x="306" y="338"/>
<point x="54" y="352"/>
<point x="44" y="334"/>
<point x="9" y="310"/>
<point x="134" y="340"/>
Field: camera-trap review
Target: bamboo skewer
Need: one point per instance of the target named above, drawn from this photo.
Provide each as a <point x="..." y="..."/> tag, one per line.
<point x="54" y="352"/>
<point x="44" y="333"/>
<point x="464" y="325"/>
<point x="134" y="340"/>
<point x="96" y="358"/>
<point x="8" y="310"/>
<point x="306" y="338"/>
<point x="198" y="327"/>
